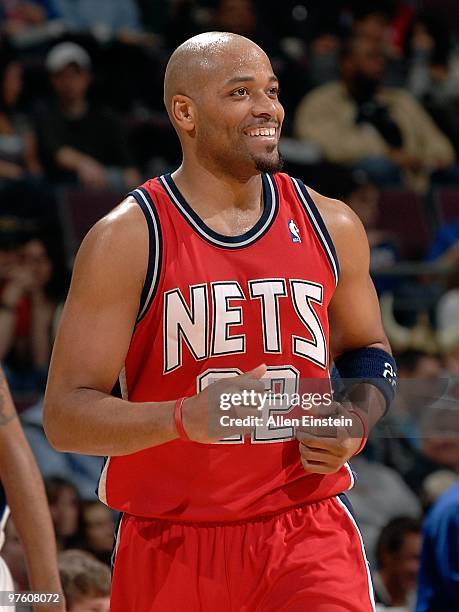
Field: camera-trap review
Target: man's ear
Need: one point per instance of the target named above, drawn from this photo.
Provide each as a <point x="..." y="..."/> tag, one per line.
<point x="183" y="112"/>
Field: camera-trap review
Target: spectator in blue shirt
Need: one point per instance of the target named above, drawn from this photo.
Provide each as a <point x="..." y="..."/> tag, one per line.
<point x="19" y="15"/>
<point x="445" y="247"/>
<point x="438" y="587"/>
<point x="110" y="17"/>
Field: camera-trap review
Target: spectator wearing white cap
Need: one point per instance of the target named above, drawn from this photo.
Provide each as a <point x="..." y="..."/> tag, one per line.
<point x="78" y="141"/>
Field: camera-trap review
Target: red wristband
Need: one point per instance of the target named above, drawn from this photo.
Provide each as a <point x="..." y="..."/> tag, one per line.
<point x="178" y="419"/>
<point x="365" y="431"/>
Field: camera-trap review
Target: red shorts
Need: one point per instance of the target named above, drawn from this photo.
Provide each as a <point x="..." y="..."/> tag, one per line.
<point x="306" y="559"/>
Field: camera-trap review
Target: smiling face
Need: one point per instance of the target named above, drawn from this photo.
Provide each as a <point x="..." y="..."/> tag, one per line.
<point x="230" y="117"/>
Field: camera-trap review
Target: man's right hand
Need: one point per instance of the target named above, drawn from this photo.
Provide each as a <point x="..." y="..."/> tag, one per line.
<point x="201" y="413"/>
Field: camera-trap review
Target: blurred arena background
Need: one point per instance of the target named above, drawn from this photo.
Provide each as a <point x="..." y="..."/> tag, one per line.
<point x="371" y="93"/>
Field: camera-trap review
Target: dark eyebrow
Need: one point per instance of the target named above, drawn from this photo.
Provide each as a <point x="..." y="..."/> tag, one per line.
<point x="244" y="79"/>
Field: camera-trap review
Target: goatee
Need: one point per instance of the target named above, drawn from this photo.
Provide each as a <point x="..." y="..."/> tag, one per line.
<point x="269" y="166"/>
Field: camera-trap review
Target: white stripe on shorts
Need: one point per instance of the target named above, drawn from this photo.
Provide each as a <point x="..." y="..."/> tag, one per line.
<point x="367" y="566"/>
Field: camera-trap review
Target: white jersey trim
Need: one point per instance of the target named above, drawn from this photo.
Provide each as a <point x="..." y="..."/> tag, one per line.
<point x="214" y="240"/>
<point x="324" y="240"/>
<point x="367" y="565"/>
<point x="157" y="257"/>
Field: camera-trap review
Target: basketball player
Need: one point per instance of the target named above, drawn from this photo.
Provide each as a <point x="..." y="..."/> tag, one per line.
<point x="225" y="269"/>
<point x="23" y="489"/>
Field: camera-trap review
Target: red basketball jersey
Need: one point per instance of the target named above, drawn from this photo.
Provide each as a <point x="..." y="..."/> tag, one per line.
<point x="214" y="306"/>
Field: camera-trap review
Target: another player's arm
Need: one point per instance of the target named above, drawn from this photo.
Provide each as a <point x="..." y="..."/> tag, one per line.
<point x="27" y="500"/>
<point x="355" y="323"/>
<point x="91" y="345"/>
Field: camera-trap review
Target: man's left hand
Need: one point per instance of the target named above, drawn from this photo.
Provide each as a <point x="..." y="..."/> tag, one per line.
<point x="324" y="450"/>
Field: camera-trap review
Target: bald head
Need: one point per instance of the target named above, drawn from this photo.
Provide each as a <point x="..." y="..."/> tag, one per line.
<point x="217" y="87"/>
<point x="195" y="61"/>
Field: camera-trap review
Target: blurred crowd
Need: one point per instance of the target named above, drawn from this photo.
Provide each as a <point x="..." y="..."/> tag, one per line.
<point x="371" y="93"/>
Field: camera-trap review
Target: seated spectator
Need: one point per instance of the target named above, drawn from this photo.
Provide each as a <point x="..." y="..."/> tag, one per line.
<point x="445" y="251"/>
<point x="435" y="485"/>
<point x="428" y="51"/>
<point x="397" y="553"/>
<point x="104" y="18"/>
<point x="63" y="500"/>
<point x="358" y="122"/>
<point x="420" y="381"/>
<point x="79" y="142"/>
<point x="448" y="324"/>
<point x="85" y="581"/>
<point x="449" y="8"/>
<point x="374" y="506"/>
<point x="452" y="360"/>
<point x="323" y="58"/>
<point x="439" y="444"/>
<point x="18" y="151"/>
<point x="364" y="197"/>
<point x="438" y="585"/>
<point x="432" y="78"/>
<point x="16" y="16"/>
<point x="31" y="289"/>
<point x="372" y="20"/>
<point x="445" y="248"/>
<point x="396" y="440"/>
<point x="96" y="530"/>
<point x="240" y="16"/>
<point x="385" y="22"/>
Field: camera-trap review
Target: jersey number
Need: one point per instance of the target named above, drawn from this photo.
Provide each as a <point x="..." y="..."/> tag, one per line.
<point x="279" y="380"/>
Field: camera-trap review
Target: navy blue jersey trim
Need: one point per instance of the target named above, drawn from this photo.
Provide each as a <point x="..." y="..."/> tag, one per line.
<point x="319" y="226"/>
<point x="116" y="391"/>
<point x="104" y="462"/>
<point x="345" y="499"/>
<point x="115" y="540"/>
<point x="2" y="502"/>
<point x="270" y="201"/>
<point x="155" y="249"/>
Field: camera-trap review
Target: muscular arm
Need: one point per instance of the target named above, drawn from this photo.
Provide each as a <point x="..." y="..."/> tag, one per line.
<point x="26" y="498"/>
<point x="92" y="342"/>
<point x="90" y="349"/>
<point x="354" y="313"/>
<point x="355" y="322"/>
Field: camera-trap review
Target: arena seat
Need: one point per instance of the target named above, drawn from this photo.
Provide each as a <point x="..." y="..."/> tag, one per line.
<point x="402" y="213"/>
<point x="80" y="208"/>
<point x="446" y="201"/>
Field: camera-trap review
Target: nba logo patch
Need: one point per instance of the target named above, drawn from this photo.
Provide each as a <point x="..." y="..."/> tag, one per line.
<point x="294" y="231"/>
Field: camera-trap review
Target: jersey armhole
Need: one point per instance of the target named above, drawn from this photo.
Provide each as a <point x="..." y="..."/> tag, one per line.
<point x="150" y="286"/>
<point x="319" y="226"/>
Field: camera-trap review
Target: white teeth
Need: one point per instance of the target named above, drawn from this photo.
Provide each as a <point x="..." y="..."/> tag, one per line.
<point x="263" y="132"/>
